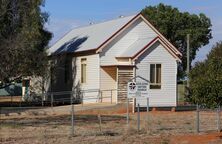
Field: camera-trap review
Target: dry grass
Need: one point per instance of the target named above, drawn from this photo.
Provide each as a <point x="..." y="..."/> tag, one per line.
<point x="161" y="127"/>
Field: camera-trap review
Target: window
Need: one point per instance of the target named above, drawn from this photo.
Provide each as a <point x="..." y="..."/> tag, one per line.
<point x="155" y="76"/>
<point x="83" y="70"/>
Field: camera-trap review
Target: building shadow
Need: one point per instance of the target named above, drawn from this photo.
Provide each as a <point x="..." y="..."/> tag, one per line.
<point x="62" y="79"/>
<point x="71" y="46"/>
<point x="11" y="90"/>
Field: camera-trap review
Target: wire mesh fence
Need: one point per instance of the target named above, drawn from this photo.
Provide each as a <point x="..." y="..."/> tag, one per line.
<point x="60" y="98"/>
<point x="23" y="124"/>
<point x="49" y="124"/>
<point x="72" y="123"/>
<point x="208" y="119"/>
<point x="41" y="120"/>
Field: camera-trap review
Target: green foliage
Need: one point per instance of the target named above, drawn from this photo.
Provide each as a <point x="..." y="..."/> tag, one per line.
<point x="175" y="25"/>
<point x="206" y="79"/>
<point x="23" y="39"/>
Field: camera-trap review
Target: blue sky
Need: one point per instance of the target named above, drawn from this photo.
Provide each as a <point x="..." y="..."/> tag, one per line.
<point x="68" y="14"/>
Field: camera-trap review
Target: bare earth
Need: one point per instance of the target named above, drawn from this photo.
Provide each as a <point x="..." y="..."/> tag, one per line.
<point x="55" y="127"/>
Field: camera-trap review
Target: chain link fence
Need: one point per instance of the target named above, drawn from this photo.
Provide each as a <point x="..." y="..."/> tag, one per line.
<point x="208" y="119"/>
<point x="73" y="124"/>
<point x="49" y="121"/>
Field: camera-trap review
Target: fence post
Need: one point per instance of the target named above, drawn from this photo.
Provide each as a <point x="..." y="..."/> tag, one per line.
<point x="138" y="117"/>
<point x="72" y="113"/>
<point x="20" y="102"/>
<point x="111" y="96"/>
<point x="218" y="119"/>
<point x="98" y="96"/>
<point x="100" y="122"/>
<point x="197" y="119"/>
<point x="82" y="95"/>
<point x="42" y="99"/>
<point x="11" y="100"/>
<point x="51" y="99"/>
<point x="101" y="98"/>
<point x="147" y="110"/>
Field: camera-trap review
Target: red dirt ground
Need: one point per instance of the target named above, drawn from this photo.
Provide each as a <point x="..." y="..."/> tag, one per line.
<point x="202" y="138"/>
<point x="197" y="139"/>
<point x="180" y="137"/>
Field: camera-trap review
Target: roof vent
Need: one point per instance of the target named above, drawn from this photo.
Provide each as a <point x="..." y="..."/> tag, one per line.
<point x="121" y="16"/>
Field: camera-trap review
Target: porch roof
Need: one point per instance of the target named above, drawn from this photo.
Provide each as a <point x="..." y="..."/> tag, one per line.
<point x="137" y="46"/>
<point x="141" y="45"/>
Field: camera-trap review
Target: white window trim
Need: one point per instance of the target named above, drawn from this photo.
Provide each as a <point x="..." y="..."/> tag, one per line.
<point x="85" y="62"/>
<point x="155" y="77"/>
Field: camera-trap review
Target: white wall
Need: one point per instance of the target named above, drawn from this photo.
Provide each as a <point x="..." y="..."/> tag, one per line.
<point x="92" y="76"/>
<point x="108" y="82"/>
<point x="139" y="29"/>
<point x="166" y="96"/>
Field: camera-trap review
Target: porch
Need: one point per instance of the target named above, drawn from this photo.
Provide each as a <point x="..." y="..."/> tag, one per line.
<point x="115" y="77"/>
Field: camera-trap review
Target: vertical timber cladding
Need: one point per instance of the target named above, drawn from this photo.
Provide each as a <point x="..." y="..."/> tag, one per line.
<point x="125" y="73"/>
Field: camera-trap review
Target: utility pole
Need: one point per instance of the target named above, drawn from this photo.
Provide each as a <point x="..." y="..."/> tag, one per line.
<point x="188" y="58"/>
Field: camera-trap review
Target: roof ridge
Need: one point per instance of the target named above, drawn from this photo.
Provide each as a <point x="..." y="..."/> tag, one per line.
<point x="86" y="26"/>
<point x="105" y="21"/>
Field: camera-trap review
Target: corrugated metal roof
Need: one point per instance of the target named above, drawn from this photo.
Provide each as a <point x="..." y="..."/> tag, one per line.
<point x="137" y="46"/>
<point x="89" y="37"/>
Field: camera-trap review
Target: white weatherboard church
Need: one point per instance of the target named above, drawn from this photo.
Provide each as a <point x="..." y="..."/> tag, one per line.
<point x="106" y="55"/>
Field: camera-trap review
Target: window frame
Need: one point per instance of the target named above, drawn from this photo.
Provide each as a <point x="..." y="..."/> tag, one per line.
<point x="83" y="61"/>
<point x="156" y="85"/>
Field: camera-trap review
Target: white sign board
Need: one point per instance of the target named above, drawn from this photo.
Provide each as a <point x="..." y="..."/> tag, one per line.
<point x="137" y="89"/>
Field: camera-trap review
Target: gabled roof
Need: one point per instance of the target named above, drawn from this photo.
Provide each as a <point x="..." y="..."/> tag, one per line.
<point x="152" y="42"/>
<point x="88" y="37"/>
<point x="97" y="36"/>
<point x="172" y="47"/>
<point x="141" y="45"/>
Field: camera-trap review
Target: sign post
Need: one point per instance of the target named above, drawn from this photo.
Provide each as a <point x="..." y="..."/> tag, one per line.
<point x="127" y="108"/>
<point x="131" y="89"/>
<point x="137" y="90"/>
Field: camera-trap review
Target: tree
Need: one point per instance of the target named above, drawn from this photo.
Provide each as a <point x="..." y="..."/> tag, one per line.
<point x="175" y="25"/>
<point x="23" y="39"/>
<point x="206" y="79"/>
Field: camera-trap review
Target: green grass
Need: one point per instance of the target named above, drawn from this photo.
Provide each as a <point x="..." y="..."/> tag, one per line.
<point x="181" y="92"/>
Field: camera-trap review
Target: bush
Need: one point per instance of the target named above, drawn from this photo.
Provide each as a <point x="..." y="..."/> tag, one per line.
<point x="206" y="79"/>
